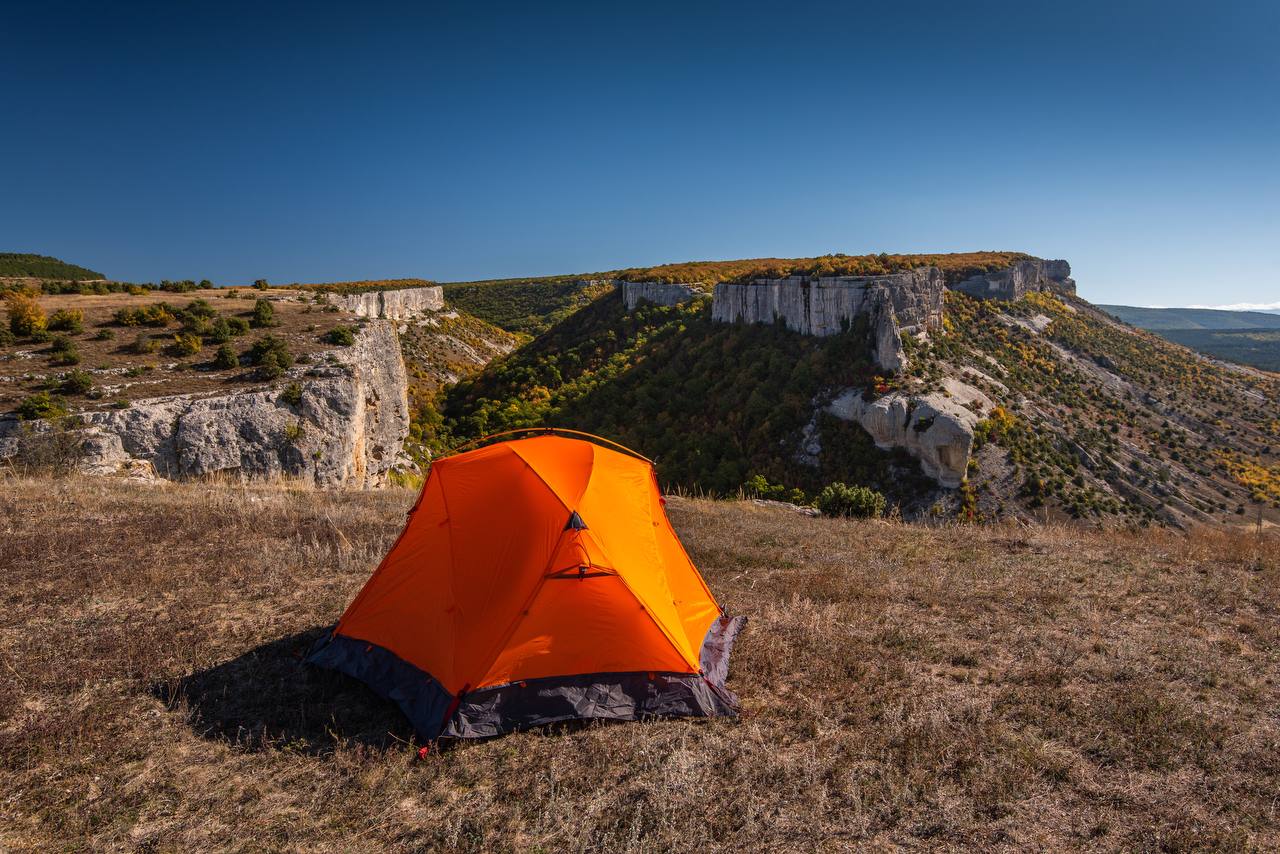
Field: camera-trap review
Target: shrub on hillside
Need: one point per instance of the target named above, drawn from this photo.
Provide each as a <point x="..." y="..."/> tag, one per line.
<point x="758" y="486"/>
<point x="292" y="394"/>
<point x="264" y="314"/>
<point x="105" y="334"/>
<point x="838" y="499"/>
<point x="26" y="317"/>
<point x="41" y="405"/>
<point x="185" y="344"/>
<point x="64" y="351"/>
<point x="226" y="358"/>
<point x="271" y="355"/>
<point x="342" y="336"/>
<point x="66" y="320"/>
<point x="260" y="284"/>
<point x="156" y="314"/>
<point x="75" y="382"/>
<point x="143" y="344"/>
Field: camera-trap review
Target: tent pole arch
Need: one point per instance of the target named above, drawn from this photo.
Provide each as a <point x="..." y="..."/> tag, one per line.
<point x="545" y="431"/>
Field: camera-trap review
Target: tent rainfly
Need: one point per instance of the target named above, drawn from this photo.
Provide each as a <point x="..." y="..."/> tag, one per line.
<point x="537" y="580"/>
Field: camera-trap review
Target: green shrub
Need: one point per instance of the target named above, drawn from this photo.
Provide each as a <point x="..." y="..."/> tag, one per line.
<point x="837" y="499"/>
<point x="66" y="320"/>
<point x="271" y="355"/>
<point x="156" y="314"/>
<point x="42" y="336"/>
<point x="342" y="336"/>
<point x="293" y="433"/>
<point x="264" y="314"/>
<point x="185" y="344"/>
<point x="7" y="338"/>
<point x="239" y="326"/>
<point x="105" y="334"/>
<point x="64" y="351"/>
<point x="292" y="394"/>
<point x="226" y="358"/>
<point x="75" y="382"/>
<point x="260" y="284"/>
<point x="758" y="486"/>
<point x="41" y="405"/>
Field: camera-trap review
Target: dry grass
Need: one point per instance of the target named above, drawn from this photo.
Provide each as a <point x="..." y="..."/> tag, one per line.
<point x="963" y="687"/>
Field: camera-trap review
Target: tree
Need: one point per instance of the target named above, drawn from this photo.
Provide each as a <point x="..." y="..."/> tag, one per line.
<point x="261" y="284"/>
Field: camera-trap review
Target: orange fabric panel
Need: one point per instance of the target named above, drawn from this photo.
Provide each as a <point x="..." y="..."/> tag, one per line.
<point x="616" y="510"/>
<point x="590" y="626"/>
<point x="407" y="606"/>
<point x="564" y="464"/>
<point x="693" y="600"/>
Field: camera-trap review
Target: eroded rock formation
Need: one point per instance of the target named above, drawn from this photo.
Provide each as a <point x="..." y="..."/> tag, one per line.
<point x="402" y="304"/>
<point x="347" y="427"/>
<point x="1026" y="276"/>
<point x="658" y="293"/>
<point x="935" y="428"/>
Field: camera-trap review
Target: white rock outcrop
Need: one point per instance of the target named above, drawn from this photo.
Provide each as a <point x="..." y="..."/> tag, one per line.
<point x="935" y="428"/>
<point x="1016" y="281"/>
<point x="402" y="304"/>
<point x="910" y="301"/>
<point x="347" y="429"/>
<point x="658" y="293"/>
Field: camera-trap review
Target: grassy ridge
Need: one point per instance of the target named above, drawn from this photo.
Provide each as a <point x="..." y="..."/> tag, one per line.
<point x="24" y="265"/>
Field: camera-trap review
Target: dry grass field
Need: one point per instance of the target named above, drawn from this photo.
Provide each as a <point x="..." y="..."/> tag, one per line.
<point x="993" y="687"/>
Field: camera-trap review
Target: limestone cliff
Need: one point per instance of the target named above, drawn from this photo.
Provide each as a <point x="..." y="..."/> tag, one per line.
<point x="910" y="301"/>
<point x="402" y="304"/>
<point x="658" y="293"/>
<point x="1015" y="282"/>
<point x="346" y="428"/>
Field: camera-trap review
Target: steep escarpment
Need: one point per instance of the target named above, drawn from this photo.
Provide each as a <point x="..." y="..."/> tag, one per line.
<point x="340" y="421"/>
<point x="910" y="301"/>
<point x="658" y="293"/>
<point x="402" y="304"/>
<point x="1028" y="275"/>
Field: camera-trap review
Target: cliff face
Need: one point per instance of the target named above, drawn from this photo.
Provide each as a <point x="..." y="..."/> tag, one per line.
<point x="347" y="428"/>
<point x="658" y="293"/>
<point x="1026" y="276"/>
<point x="910" y="301"/>
<point x="403" y="304"/>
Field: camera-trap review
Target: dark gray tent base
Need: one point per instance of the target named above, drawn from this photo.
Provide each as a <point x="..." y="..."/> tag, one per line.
<point x="535" y="702"/>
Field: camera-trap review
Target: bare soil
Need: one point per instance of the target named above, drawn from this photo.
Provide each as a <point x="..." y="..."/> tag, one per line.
<point x="993" y="687"/>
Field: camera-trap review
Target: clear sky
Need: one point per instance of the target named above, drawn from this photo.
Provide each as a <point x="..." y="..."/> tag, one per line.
<point x="318" y="142"/>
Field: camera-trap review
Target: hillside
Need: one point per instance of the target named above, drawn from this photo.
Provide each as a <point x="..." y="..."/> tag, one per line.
<point x="525" y="307"/>
<point x="18" y="265"/>
<point x="902" y="686"/>
<point x="1072" y="413"/>
<point x="1161" y="319"/>
<point x="1246" y="337"/>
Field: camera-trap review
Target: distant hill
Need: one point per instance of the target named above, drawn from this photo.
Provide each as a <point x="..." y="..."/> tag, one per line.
<point x="1087" y="417"/>
<point x="1160" y="319"/>
<point x="24" y="265"/>
<point x="526" y="307"/>
<point x="1247" y="337"/>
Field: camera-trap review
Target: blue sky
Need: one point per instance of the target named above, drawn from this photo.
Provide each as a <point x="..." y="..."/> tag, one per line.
<point x="317" y="142"/>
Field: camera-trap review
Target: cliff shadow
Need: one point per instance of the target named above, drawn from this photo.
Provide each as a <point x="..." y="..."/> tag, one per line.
<point x="268" y="699"/>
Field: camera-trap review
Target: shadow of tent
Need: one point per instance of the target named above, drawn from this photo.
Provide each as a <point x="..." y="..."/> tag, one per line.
<point x="267" y="699"/>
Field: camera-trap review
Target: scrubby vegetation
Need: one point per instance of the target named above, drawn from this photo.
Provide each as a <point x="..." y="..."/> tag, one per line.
<point x="526" y="307"/>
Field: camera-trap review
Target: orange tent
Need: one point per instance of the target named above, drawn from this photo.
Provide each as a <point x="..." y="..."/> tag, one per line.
<point x="537" y="580"/>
